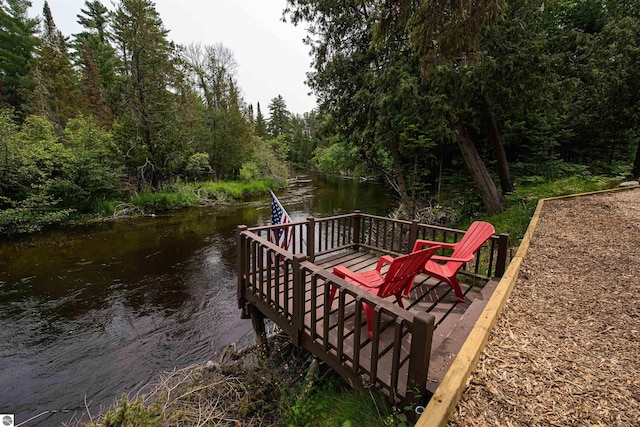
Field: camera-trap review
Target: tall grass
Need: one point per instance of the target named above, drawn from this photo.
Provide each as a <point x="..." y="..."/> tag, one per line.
<point x="189" y="194"/>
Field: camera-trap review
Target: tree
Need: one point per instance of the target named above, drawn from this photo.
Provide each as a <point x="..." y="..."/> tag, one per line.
<point x="260" y="125"/>
<point x="213" y="70"/>
<point x="373" y="93"/>
<point x="56" y="93"/>
<point x="147" y="132"/>
<point x="95" y="56"/>
<point x="448" y="33"/>
<point x="302" y="143"/>
<point x="17" y="43"/>
<point x="212" y="73"/>
<point x="279" y="123"/>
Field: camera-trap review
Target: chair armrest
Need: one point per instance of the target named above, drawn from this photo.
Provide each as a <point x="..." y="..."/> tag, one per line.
<point x="450" y="259"/>
<point x="386" y="259"/>
<point x="344" y="273"/>
<point x="420" y="244"/>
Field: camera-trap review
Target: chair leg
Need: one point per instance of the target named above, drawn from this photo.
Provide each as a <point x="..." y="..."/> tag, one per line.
<point x="453" y="281"/>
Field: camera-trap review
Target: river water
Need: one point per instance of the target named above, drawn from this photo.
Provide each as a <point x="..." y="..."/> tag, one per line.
<point x="91" y="312"/>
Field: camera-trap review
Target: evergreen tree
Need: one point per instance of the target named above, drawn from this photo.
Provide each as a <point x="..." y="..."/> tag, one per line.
<point x="260" y="126"/>
<point x="56" y="94"/>
<point x="17" y="44"/>
<point x="96" y="58"/>
<point x="279" y="123"/>
<point x="148" y="132"/>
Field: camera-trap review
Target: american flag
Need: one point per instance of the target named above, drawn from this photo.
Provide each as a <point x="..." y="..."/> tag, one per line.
<point x="279" y="236"/>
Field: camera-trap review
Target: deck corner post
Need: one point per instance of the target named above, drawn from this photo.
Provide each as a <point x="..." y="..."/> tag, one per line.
<point x="257" y="321"/>
<point x="356" y="228"/>
<point x="298" y="297"/>
<point x="503" y="248"/>
<point x="241" y="263"/>
<point x="420" y="351"/>
<point x="311" y="238"/>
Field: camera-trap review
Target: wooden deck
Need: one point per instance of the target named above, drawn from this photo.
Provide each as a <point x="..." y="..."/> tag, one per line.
<point x="411" y="348"/>
<point x="452" y="320"/>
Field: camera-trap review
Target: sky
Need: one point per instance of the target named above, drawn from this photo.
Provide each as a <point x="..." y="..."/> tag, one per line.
<point x="272" y="59"/>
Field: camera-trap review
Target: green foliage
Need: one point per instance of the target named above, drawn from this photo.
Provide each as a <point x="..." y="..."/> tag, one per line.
<point x="279" y="123"/>
<point x="29" y="215"/>
<point x="183" y="195"/>
<point x="249" y="171"/>
<point x="17" y="45"/>
<point x="331" y="403"/>
<point x="236" y="190"/>
<point x="336" y="158"/>
<point x="198" y="166"/>
<point x="132" y="414"/>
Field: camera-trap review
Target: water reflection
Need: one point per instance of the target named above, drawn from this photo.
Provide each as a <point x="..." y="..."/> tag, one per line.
<point x="92" y="312"/>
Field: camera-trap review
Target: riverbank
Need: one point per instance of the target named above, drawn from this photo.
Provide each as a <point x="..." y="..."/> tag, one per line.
<point x="184" y="195"/>
<point x="285" y="386"/>
<point x="179" y="194"/>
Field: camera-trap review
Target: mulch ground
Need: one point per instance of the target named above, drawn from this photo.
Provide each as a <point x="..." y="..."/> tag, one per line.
<point x="566" y="350"/>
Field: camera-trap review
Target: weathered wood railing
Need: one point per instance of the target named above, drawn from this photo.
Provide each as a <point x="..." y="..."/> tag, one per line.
<point x="292" y="291"/>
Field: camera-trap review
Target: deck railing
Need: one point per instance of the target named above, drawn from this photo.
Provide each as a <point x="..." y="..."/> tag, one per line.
<point x="317" y="237"/>
<point x="293" y="292"/>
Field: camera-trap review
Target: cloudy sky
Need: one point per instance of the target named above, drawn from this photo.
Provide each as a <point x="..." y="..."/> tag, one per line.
<point x="272" y="60"/>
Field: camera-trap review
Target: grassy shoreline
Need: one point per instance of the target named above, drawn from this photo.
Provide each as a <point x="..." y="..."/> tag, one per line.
<point x="184" y="195"/>
<point x="39" y="214"/>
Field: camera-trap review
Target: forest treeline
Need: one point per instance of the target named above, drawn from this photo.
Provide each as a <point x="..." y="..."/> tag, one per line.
<point x="475" y="93"/>
<point x="119" y="108"/>
<point x="423" y="93"/>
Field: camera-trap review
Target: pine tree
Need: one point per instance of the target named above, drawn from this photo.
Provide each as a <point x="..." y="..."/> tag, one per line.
<point x="148" y="133"/>
<point x="17" y="44"/>
<point x="94" y="45"/>
<point x="56" y="94"/>
<point x="261" y="126"/>
<point x="279" y="118"/>
<point x="96" y="59"/>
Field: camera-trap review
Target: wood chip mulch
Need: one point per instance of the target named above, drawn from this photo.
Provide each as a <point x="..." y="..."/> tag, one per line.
<point x="566" y="349"/>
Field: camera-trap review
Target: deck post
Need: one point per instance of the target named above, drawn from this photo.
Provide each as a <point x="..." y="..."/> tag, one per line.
<point x="311" y="238"/>
<point x="241" y="263"/>
<point x="413" y="234"/>
<point x="501" y="258"/>
<point x="356" y="229"/>
<point x="298" y="298"/>
<point x="420" y="351"/>
<point x="257" y="321"/>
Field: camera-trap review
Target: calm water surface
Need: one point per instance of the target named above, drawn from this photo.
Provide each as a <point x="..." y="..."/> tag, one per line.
<point x="92" y="312"/>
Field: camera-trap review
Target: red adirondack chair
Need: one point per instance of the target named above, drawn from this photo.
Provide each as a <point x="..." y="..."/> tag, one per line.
<point x="400" y="276"/>
<point x="446" y="268"/>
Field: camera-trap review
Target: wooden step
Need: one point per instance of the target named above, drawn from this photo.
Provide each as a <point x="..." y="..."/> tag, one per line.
<point x="451" y="334"/>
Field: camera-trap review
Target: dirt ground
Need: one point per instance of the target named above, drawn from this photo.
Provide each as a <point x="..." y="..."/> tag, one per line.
<point x="566" y="350"/>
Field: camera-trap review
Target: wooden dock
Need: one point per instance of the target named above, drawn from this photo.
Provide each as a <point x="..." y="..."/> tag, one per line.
<point x="411" y="348"/>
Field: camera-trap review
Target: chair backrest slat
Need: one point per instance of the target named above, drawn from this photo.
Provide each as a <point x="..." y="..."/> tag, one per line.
<point x="403" y="271"/>
<point x="478" y="233"/>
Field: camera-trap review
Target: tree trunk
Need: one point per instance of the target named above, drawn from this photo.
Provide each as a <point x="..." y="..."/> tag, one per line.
<point x="402" y="183"/>
<point x="636" y="164"/>
<point x="488" y="190"/>
<point x="506" y="183"/>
